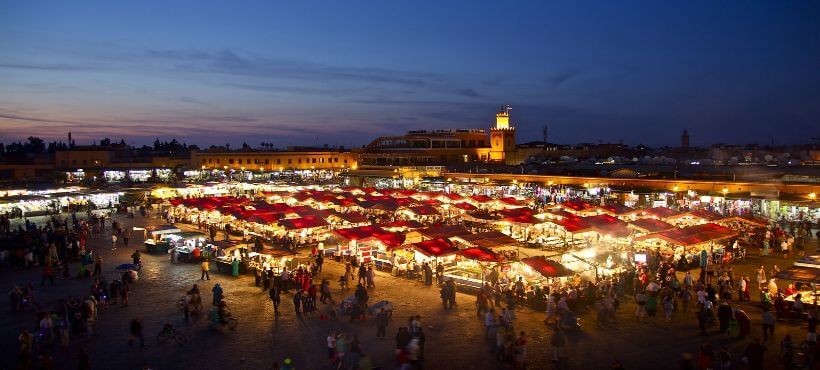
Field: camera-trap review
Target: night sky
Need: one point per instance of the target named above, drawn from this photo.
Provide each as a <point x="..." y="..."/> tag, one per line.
<point x="344" y="72"/>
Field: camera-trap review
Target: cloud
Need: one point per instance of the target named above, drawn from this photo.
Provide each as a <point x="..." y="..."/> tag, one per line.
<point x="230" y="62"/>
<point x="45" y="67"/>
<point x="562" y="77"/>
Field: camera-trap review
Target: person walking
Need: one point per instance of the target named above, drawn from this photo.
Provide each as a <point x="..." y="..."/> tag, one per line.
<point x="205" y="269"/>
<point x="275" y="296"/>
<point x="113" y="241"/>
<point x="48" y="274"/>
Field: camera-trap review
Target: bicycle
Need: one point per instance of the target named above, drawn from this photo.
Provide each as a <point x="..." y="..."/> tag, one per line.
<point x="169" y="332"/>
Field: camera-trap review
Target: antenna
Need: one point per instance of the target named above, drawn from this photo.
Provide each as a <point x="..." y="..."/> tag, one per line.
<point x="544" y="133"/>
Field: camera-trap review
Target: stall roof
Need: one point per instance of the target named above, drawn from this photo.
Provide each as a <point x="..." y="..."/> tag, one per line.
<point x="608" y="225"/>
<point x="573" y="225"/>
<point x="278" y="252"/>
<point x="453" y="197"/>
<point x="705" y="215"/>
<point x="510" y="201"/>
<point x="749" y="219"/>
<point x="162" y="229"/>
<point x="443" y="231"/>
<point x="489" y="239"/>
<point x="410" y="224"/>
<point x="651" y="225"/>
<point x="515" y="212"/>
<point x="615" y="209"/>
<point x="306" y="222"/>
<point x="423" y="210"/>
<point x="575" y="205"/>
<point x="693" y="235"/>
<point x="351" y="217"/>
<point x="547" y="267"/>
<point x="562" y="214"/>
<point x="481" y="198"/>
<point x="464" y="206"/>
<point x="661" y="212"/>
<point x="264" y="218"/>
<point x="435" y="247"/>
<point x="480" y="254"/>
<point x="523" y="219"/>
<point x="801" y="274"/>
<point x="389" y="239"/>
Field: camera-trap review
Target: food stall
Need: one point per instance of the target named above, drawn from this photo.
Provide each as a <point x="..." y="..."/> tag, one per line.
<point x="537" y="271"/>
<point x="435" y="251"/>
<point x="806" y="274"/>
<point x="187" y="243"/>
<point x="472" y="266"/>
<point x="156" y="237"/>
<point x="274" y="259"/>
<point x="229" y="251"/>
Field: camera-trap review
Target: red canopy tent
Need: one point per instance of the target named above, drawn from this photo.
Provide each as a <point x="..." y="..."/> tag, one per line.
<point x="410" y="224"/>
<point x="464" y="206"/>
<point x="423" y="210"/>
<point x="511" y="202"/>
<point x="306" y="222"/>
<point x="661" y="212"/>
<point x="693" y="235"/>
<point x="481" y="198"/>
<point x="481" y="254"/>
<point x="547" y="267"/>
<point x="608" y="225"/>
<point x="435" y="248"/>
<point x="651" y="225"/>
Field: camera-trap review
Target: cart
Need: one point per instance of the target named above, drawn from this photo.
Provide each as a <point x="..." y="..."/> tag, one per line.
<point x="376" y="307"/>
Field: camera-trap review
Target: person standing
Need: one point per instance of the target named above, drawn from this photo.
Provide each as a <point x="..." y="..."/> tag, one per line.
<point x="324" y="291"/>
<point x="126" y="236"/>
<point x="97" y="265"/>
<point x="557" y="342"/>
<point x="124" y="288"/>
<point x="381" y="324"/>
<point x="26" y="340"/>
<point x="48" y="274"/>
<point x="234" y="267"/>
<point x="761" y="277"/>
<point x="768" y="321"/>
<point x="136" y="332"/>
<point x="113" y="241"/>
<point x="297" y="302"/>
<point x="205" y="270"/>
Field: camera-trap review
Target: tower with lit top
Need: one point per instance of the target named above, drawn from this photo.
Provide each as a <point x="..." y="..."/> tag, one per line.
<point x="502" y="136"/>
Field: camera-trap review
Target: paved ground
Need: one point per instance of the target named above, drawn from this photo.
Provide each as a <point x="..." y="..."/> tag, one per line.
<point x="454" y="338"/>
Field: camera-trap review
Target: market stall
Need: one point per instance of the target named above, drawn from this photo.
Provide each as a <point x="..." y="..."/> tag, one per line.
<point x="472" y="267"/>
<point x="156" y="237"/>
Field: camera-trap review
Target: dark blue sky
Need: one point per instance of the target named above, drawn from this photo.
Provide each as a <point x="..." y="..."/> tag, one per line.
<point x="343" y="72"/>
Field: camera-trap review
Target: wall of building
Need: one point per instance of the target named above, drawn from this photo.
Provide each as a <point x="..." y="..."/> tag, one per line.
<point x="74" y="159"/>
<point x="284" y="160"/>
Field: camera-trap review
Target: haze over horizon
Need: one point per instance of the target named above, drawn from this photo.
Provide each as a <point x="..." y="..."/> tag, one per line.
<point x="295" y="73"/>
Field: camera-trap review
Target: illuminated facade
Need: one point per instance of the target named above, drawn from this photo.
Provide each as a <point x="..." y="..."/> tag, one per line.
<point x="274" y="160"/>
<point x="424" y="148"/>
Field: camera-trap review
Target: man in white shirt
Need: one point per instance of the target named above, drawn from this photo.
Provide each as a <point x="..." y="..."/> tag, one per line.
<point x="701" y="296"/>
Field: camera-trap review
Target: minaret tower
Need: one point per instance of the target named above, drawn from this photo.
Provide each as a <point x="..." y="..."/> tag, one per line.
<point x="502" y="137"/>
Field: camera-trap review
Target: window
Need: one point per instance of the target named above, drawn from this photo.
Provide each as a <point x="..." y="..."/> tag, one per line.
<point x="336" y="160"/>
<point x="230" y="161"/>
<point x="255" y="161"/>
<point x="278" y="161"/>
<point x="85" y="162"/>
<point x="289" y="161"/>
<point x="217" y="161"/>
<point x="300" y="160"/>
<point x="314" y="160"/>
<point x="481" y="143"/>
<point x="211" y="160"/>
<point x="248" y="161"/>
<point x="345" y="161"/>
<point x="267" y="161"/>
<point x="321" y="160"/>
<point x="203" y="161"/>
<point x="472" y="143"/>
